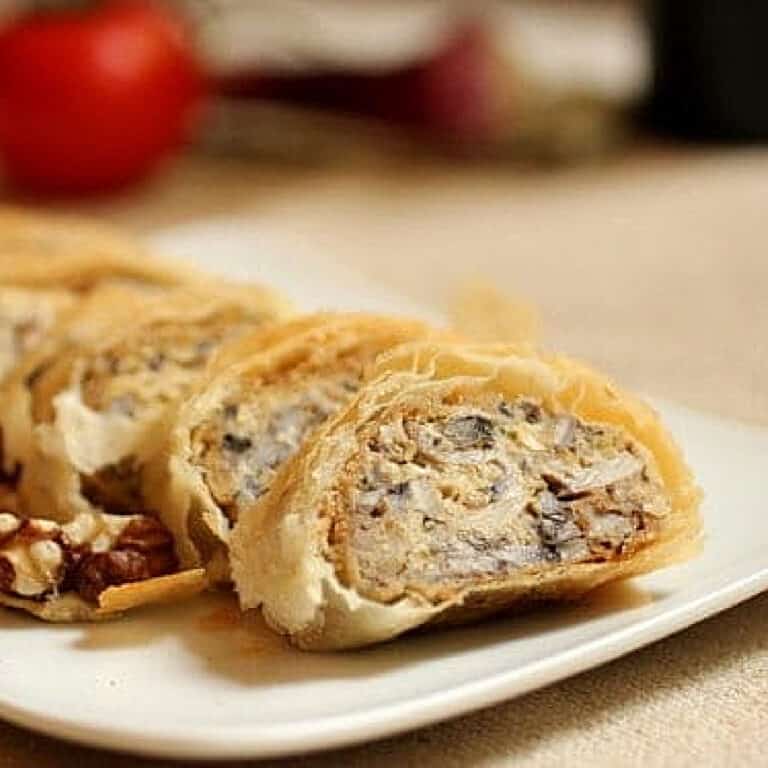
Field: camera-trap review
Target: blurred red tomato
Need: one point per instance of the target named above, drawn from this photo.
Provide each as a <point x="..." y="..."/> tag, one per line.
<point x="93" y="97"/>
<point x="458" y="93"/>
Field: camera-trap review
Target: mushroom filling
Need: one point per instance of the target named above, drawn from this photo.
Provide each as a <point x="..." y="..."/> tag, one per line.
<point x="139" y="374"/>
<point x="40" y="559"/>
<point x="466" y="494"/>
<point x="240" y="447"/>
<point x="139" y="380"/>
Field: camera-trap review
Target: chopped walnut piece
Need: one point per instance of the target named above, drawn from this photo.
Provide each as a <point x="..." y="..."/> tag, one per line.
<point x="40" y="558"/>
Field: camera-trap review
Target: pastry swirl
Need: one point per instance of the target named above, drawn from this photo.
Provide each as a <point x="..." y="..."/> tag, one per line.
<point x="95" y="405"/>
<point x="266" y="395"/>
<point x="460" y="482"/>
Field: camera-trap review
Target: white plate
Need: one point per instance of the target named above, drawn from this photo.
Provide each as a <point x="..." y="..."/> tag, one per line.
<point x="193" y="680"/>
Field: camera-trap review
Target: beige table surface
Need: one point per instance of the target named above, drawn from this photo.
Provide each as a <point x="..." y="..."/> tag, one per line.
<point x="655" y="268"/>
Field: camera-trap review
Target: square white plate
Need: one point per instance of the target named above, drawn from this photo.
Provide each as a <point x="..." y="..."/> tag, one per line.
<point x="194" y="680"/>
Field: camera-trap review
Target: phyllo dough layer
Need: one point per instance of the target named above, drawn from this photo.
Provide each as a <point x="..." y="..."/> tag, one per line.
<point x="460" y="482"/>
<point x="266" y="395"/>
<point x="41" y="252"/>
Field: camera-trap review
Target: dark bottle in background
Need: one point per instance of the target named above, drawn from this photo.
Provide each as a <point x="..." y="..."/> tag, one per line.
<point x="710" y="68"/>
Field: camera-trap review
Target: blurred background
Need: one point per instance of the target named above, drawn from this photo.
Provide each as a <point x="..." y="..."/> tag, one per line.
<point x="115" y="87"/>
<point x="602" y="157"/>
<point x="98" y="94"/>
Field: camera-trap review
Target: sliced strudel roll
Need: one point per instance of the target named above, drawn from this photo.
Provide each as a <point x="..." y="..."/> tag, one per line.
<point x="94" y="407"/>
<point x="461" y="482"/>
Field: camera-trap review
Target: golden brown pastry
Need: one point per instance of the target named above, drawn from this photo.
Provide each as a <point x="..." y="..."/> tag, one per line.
<point x="93" y="407"/>
<point x="90" y="568"/>
<point x="460" y="482"/>
<point x="47" y="263"/>
<point x="264" y="397"/>
<point x="43" y="251"/>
